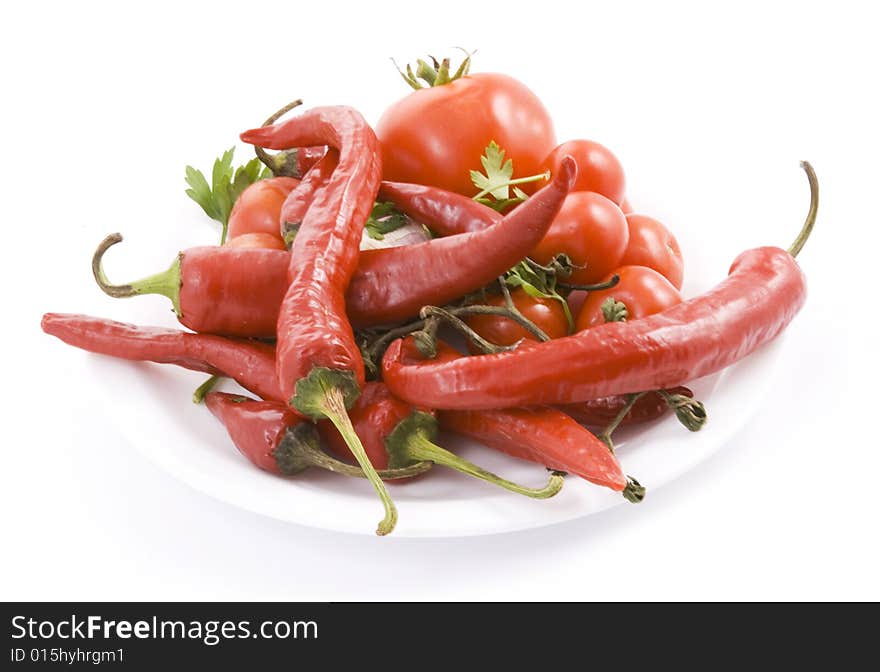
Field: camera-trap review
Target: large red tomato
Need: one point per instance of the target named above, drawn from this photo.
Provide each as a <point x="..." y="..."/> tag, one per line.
<point x="436" y="136"/>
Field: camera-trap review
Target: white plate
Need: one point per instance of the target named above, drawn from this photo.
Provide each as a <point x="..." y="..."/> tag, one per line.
<point x="185" y="440"/>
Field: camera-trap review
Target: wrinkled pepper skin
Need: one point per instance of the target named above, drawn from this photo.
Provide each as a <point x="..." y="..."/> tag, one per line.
<point x="313" y="329"/>
<point x="250" y="363"/>
<point x="447" y="216"/>
<point x="255" y="427"/>
<point x="540" y="434"/>
<point x="395" y="283"/>
<point x="763" y="292"/>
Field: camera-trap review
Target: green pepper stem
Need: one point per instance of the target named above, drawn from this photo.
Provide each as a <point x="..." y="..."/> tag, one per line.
<point x="299" y="450"/>
<point x="166" y="283"/>
<point x="326" y="393"/>
<point x="203" y="389"/>
<point x="419" y="447"/>
<point x="281" y="163"/>
<point x="807" y="228"/>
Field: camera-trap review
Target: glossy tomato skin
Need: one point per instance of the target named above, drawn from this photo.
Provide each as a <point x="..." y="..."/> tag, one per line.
<point x="264" y="241"/>
<point x="436" y="136"/>
<point x="592" y="231"/>
<point x="626" y="206"/>
<point x="642" y="289"/>
<point x="547" y="314"/>
<point x="598" y="169"/>
<point x="651" y="244"/>
<point x="258" y="208"/>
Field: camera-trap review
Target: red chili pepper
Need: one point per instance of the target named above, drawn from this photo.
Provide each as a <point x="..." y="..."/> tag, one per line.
<point x="396" y="436"/>
<point x="762" y="294"/>
<point x="238" y="292"/>
<point x="297" y="203"/>
<point x="447" y="216"/>
<point x="547" y="436"/>
<point x="599" y="412"/>
<point x="318" y="362"/>
<point x="392" y="284"/>
<point x="277" y="440"/>
<point x="250" y="363"/>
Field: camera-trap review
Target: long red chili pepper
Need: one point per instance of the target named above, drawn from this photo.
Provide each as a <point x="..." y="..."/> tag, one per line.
<point x="449" y="216"/>
<point x="318" y="362"/>
<point x="393" y="284"/>
<point x="547" y="436"/>
<point x="277" y="440"/>
<point x="238" y="292"/>
<point x="763" y="292"/>
<point x="599" y="412"/>
<point x="397" y="436"/>
<point x="250" y="363"/>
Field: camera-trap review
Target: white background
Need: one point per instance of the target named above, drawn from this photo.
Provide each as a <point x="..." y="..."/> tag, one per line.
<point x="709" y="108"/>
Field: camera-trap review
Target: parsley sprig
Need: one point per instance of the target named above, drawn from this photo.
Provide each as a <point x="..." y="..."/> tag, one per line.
<point x="497" y="181"/>
<point x="226" y="186"/>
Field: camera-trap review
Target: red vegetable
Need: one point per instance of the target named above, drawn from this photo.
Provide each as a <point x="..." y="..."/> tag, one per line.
<point x="546" y="314"/>
<point x="445" y="213"/>
<point x="239" y="292"/>
<point x="762" y="294"/>
<point x="277" y="440"/>
<point x="592" y="231"/>
<point x="297" y="203"/>
<point x="318" y="363"/>
<point x="641" y="291"/>
<point x="599" y="412"/>
<point x="395" y="436"/>
<point x="436" y="135"/>
<point x="651" y="244"/>
<point x="250" y="363"/>
<point x="544" y="435"/>
<point x="598" y="169"/>
<point x="392" y="284"/>
<point x="258" y="208"/>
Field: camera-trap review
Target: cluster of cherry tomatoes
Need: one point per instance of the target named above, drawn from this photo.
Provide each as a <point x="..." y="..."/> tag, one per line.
<point x="437" y="135"/>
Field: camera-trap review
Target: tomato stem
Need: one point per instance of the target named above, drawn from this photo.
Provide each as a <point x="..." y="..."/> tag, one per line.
<point x="807" y="228"/>
<point x="690" y="412"/>
<point x="605" y="436"/>
<point x="436" y="75"/>
<point x="167" y="283"/>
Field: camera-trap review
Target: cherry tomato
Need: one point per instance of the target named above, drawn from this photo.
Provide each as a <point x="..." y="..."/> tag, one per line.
<point x="643" y="290"/>
<point x="598" y="169"/>
<point x="651" y="244"/>
<point x="264" y="241"/>
<point x="576" y="300"/>
<point x="258" y="208"/>
<point x="547" y="314"/>
<point x="436" y="136"/>
<point x="592" y="231"/>
<point x="625" y="206"/>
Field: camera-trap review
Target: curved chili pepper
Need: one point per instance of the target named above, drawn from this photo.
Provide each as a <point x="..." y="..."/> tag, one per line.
<point x="547" y="436"/>
<point x="297" y="203"/>
<point x="396" y="436"/>
<point x="277" y="440"/>
<point x="599" y="412"/>
<point x="763" y="292"/>
<point x="238" y="292"/>
<point x="448" y="215"/>
<point x="392" y="284"/>
<point x="249" y="363"/>
<point x="318" y="362"/>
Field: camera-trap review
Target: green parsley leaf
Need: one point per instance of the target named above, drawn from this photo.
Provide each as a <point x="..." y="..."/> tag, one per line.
<point x="225" y="188"/>
<point x="498" y="173"/>
<point x="384" y="218"/>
